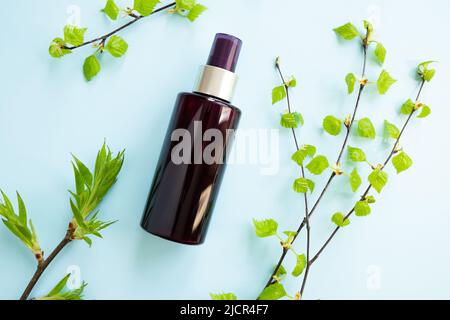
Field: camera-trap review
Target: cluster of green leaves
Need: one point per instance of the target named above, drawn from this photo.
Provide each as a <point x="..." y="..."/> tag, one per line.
<point x="58" y="292"/>
<point x="90" y="189"/>
<point x="189" y="9"/>
<point x="349" y="32"/>
<point x="222" y="296"/>
<point x="114" y="44"/>
<point x="20" y="225"/>
<point x="288" y="119"/>
<point x="269" y="228"/>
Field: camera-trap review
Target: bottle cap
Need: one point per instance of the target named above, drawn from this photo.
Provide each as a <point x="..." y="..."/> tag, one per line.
<point x="225" y="52"/>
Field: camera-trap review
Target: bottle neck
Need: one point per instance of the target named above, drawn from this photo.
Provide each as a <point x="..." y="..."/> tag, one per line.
<point x="216" y="82"/>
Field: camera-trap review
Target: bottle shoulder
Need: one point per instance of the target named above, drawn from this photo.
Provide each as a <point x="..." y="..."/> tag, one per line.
<point x="200" y="96"/>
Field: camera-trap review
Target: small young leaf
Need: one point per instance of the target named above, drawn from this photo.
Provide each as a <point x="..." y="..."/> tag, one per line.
<point x="278" y="94"/>
<point x="57" y="48"/>
<point x="332" y="125"/>
<point x="300" y="155"/>
<point x="391" y="130"/>
<point x="116" y="46"/>
<point x="356" y="154"/>
<point x="362" y="209"/>
<point x="380" y="53"/>
<point x="291" y="120"/>
<point x="426" y="73"/>
<point x="265" y="228"/>
<point x="378" y="179"/>
<point x="74" y="35"/>
<point x="60" y="286"/>
<point x="300" y="185"/>
<point x="347" y="31"/>
<point x="291" y="82"/>
<point x="355" y="180"/>
<point x="281" y="271"/>
<point x="338" y="219"/>
<point x="384" y="82"/>
<point x="318" y="165"/>
<point x="300" y="265"/>
<point x="426" y="111"/>
<point x="111" y="9"/>
<point x="145" y="7"/>
<point x="273" y="292"/>
<point x="185" y="4"/>
<point x="223" y="296"/>
<point x="402" y="162"/>
<point x="350" y="79"/>
<point x="91" y="67"/>
<point x="408" y="107"/>
<point x="195" y="12"/>
<point x="366" y="128"/>
<point x="370" y="199"/>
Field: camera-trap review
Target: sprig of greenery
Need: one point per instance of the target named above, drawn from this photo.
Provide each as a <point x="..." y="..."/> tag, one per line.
<point x="74" y="36"/>
<point x="377" y="178"/>
<point x="58" y="292"/>
<point x="90" y="189"/>
<point x="20" y="226"/>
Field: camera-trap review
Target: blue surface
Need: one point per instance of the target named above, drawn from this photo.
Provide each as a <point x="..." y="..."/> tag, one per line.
<point x="47" y="110"/>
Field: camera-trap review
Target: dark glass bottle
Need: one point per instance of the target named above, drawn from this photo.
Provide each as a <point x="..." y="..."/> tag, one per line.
<point x="187" y="181"/>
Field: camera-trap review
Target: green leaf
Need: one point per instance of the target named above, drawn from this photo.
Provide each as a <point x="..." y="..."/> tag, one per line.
<point x="366" y="128"/>
<point x="356" y="154"/>
<point x="145" y="7"/>
<point x="22" y="210"/>
<point x="384" y="82"/>
<point x="347" y="31"/>
<point x="318" y="165"/>
<point x="350" y="79"/>
<point x="391" y="130"/>
<point x="332" y="125"/>
<point x="281" y="271"/>
<point x="57" y="48"/>
<point x="362" y="209"/>
<point x="74" y="35"/>
<point x="408" y="107"/>
<point x="85" y="173"/>
<point x="273" y="292"/>
<point x="339" y="220"/>
<point x="265" y="228"/>
<point x="278" y="94"/>
<point x="380" y="53"/>
<point x="185" y="4"/>
<point x="355" y="180"/>
<point x="222" y="296"/>
<point x="370" y="199"/>
<point x="291" y="120"/>
<point x="195" y="12"/>
<point x="111" y="9"/>
<point x="291" y="82"/>
<point x="300" y="155"/>
<point x="402" y="162"/>
<point x="116" y="46"/>
<point x="378" y="179"/>
<point x="300" y="265"/>
<point x="91" y="67"/>
<point x="426" y="111"/>
<point x="60" y="286"/>
<point x="302" y="185"/>
<point x="426" y="73"/>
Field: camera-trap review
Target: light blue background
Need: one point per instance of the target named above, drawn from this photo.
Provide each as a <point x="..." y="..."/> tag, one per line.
<point x="47" y="110"/>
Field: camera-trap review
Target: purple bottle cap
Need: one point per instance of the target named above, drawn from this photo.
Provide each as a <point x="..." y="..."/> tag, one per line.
<point x="225" y="52"/>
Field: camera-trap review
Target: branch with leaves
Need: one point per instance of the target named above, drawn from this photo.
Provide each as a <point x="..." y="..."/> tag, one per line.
<point x="111" y="42"/>
<point x="90" y="189"/>
<point x="318" y="164"/>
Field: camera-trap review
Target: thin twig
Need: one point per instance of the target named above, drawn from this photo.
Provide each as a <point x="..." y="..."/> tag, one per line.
<point x="305" y="196"/>
<point x="45" y="263"/>
<point x="135" y="17"/>
<point x="393" y="151"/>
